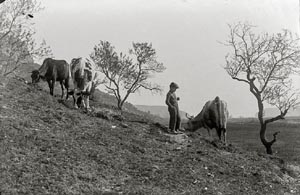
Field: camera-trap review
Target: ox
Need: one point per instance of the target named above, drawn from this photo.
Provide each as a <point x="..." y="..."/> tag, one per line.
<point x="83" y="72"/>
<point x="214" y="114"/>
<point x="51" y="71"/>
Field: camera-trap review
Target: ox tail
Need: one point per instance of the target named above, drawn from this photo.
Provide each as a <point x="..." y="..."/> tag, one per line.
<point x="69" y="69"/>
<point x="220" y="117"/>
<point x="70" y="78"/>
<point x="69" y="81"/>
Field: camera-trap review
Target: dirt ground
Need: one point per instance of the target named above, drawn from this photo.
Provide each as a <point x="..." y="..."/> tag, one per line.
<point x="47" y="147"/>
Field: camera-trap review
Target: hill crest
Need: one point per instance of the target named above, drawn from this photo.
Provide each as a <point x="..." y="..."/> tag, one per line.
<point x="161" y="111"/>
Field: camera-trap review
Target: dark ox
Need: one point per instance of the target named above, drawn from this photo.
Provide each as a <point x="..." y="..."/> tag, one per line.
<point x="83" y="74"/>
<point x="214" y="114"/>
<point x="52" y="71"/>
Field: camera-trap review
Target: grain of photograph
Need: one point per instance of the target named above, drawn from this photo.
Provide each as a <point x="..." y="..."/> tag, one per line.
<point x="161" y="97"/>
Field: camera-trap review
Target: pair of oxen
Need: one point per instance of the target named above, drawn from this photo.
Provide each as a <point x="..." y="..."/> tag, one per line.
<point x="81" y="71"/>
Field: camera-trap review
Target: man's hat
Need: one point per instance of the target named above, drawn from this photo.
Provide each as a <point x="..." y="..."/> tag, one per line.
<point x="174" y="85"/>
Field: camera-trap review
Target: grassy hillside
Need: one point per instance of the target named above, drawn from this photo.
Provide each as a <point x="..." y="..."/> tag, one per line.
<point x="47" y="147"/>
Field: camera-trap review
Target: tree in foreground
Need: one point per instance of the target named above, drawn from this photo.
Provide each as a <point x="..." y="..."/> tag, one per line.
<point x="17" y="43"/>
<point x="265" y="63"/>
<point x="127" y="74"/>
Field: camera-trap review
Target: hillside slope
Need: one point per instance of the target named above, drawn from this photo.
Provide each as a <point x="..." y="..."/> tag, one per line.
<point x="46" y="147"/>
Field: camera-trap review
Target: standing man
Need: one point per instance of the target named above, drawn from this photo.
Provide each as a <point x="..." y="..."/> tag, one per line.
<point x="171" y="101"/>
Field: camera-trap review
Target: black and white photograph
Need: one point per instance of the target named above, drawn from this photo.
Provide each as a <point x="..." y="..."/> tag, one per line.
<point x="124" y="97"/>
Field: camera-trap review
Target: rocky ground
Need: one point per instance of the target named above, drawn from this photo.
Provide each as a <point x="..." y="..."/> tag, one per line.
<point x="47" y="147"/>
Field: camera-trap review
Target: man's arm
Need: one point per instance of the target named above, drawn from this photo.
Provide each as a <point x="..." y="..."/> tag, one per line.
<point x="168" y="100"/>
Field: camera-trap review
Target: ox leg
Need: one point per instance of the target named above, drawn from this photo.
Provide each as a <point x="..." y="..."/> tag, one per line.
<point x="67" y="97"/>
<point x="224" y="133"/>
<point x="51" y="86"/>
<point x="83" y="101"/>
<point x="75" y="102"/>
<point x="219" y="132"/>
<point x="67" y="87"/>
<point x="209" y="133"/>
<point x="79" y="101"/>
<point x="86" y="102"/>
<point x="62" y="89"/>
<point x="87" y="94"/>
<point x="75" y="98"/>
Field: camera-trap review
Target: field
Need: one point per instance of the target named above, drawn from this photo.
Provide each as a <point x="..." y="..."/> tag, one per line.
<point x="244" y="133"/>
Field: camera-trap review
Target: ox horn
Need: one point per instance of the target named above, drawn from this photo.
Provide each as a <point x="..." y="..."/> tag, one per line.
<point x="189" y="116"/>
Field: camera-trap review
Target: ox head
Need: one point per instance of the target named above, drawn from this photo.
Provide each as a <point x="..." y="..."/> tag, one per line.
<point x="75" y="61"/>
<point x="35" y="76"/>
<point x="88" y="74"/>
<point x="189" y="125"/>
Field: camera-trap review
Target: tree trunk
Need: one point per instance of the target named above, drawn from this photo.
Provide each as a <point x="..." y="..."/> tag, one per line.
<point x="120" y="104"/>
<point x="269" y="149"/>
<point x="263" y="126"/>
<point x="267" y="144"/>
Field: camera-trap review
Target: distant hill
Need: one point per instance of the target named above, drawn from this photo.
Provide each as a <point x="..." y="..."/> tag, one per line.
<point x="271" y="112"/>
<point x="161" y="111"/>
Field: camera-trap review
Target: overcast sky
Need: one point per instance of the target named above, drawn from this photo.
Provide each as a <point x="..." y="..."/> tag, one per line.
<point x="185" y="34"/>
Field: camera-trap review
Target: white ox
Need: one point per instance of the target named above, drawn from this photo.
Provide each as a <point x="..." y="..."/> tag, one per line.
<point x="214" y="114"/>
<point x="83" y="73"/>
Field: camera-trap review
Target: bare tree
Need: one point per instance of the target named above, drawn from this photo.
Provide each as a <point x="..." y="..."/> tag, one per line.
<point x="17" y="43"/>
<point x="126" y="74"/>
<point x="265" y="63"/>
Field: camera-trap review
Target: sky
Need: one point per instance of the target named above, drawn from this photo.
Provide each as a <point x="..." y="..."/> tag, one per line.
<point x="185" y="33"/>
